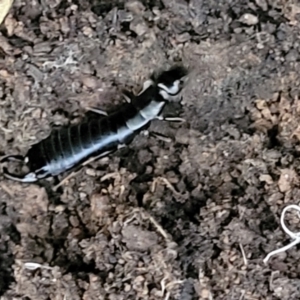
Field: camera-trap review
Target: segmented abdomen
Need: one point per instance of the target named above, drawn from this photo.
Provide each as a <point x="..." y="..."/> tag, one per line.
<point x="68" y="147"/>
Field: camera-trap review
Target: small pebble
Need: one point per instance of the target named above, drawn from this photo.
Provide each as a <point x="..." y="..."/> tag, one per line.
<point x="260" y="46"/>
<point x="91" y="172"/>
<point x="262" y="4"/>
<point x="136" y="7"/>
<point x="249" y="19"/>
<point x="184" y="37"/>
<point x="292" y="55"/>
<point x="90" y="82"/>
<point x="127" y="287"/>
<point x="138" y="26"/>
<point x="64" y="25"/>
<point x="74" y="221"/>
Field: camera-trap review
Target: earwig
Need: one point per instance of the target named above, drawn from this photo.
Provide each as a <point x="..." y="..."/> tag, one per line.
<point x="71" y="146"/>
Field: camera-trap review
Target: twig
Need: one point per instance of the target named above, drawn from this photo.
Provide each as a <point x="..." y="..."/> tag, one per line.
<point x="166" y="182"/>
<point x="244" y="255"/>
<point x="7" y="190"/>
<point x="155" y="223"/>
<point x="66" y="179"/>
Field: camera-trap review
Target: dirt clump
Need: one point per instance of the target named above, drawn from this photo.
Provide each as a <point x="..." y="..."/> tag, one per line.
<point x="190" y="216"/>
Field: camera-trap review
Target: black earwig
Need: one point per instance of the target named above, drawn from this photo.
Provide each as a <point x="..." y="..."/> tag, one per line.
<point x="68" y="147"/>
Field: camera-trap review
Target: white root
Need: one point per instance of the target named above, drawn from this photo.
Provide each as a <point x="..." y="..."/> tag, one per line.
<point x="294" y="235"/>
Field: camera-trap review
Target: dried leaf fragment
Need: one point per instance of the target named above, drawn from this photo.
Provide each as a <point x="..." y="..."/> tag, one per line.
<point x="5" y="5"/>
<point x="287" y="178"/>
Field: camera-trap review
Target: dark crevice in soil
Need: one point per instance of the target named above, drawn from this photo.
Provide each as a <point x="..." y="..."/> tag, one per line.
<point x="273" y="139"/>
<point x="101" y="8"/>
<point x="6" y="273"/>
<point x="268" y="220"/>
<point x="6" y="255"/>
<point x="81" y="270"/>
<point x="149" y="4"/>
<point x="71" y="262"/>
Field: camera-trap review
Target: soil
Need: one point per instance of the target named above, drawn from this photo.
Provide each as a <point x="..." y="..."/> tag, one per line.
<point x="187" y="217"/>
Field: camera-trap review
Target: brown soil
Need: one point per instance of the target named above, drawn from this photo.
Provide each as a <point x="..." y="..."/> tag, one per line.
<point x="159" y="219"/>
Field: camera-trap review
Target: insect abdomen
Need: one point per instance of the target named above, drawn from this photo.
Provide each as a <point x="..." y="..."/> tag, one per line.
<point x="71" y="146"/>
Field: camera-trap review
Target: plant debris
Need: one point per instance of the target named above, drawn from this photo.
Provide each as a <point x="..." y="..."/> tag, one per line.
<point x="5" y="6"/>
<point x="189" y="211"/>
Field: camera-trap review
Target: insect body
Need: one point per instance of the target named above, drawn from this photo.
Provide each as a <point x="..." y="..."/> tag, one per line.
<point x="68" y="147"/>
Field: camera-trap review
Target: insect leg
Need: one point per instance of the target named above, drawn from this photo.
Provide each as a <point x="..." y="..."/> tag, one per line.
<point x="18" y="158"/>
<point x="160" y="136"/>
<point x="96" y="110"/>
<point x="96" y="158"/>
<point x="146" y="85"/>
<point x="170" y="119"/>
<point x="72" y="174"/>
<point x="126" y="97"/>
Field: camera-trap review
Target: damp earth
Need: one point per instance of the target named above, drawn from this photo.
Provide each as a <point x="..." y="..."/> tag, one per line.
<point x="189" y="215"/>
